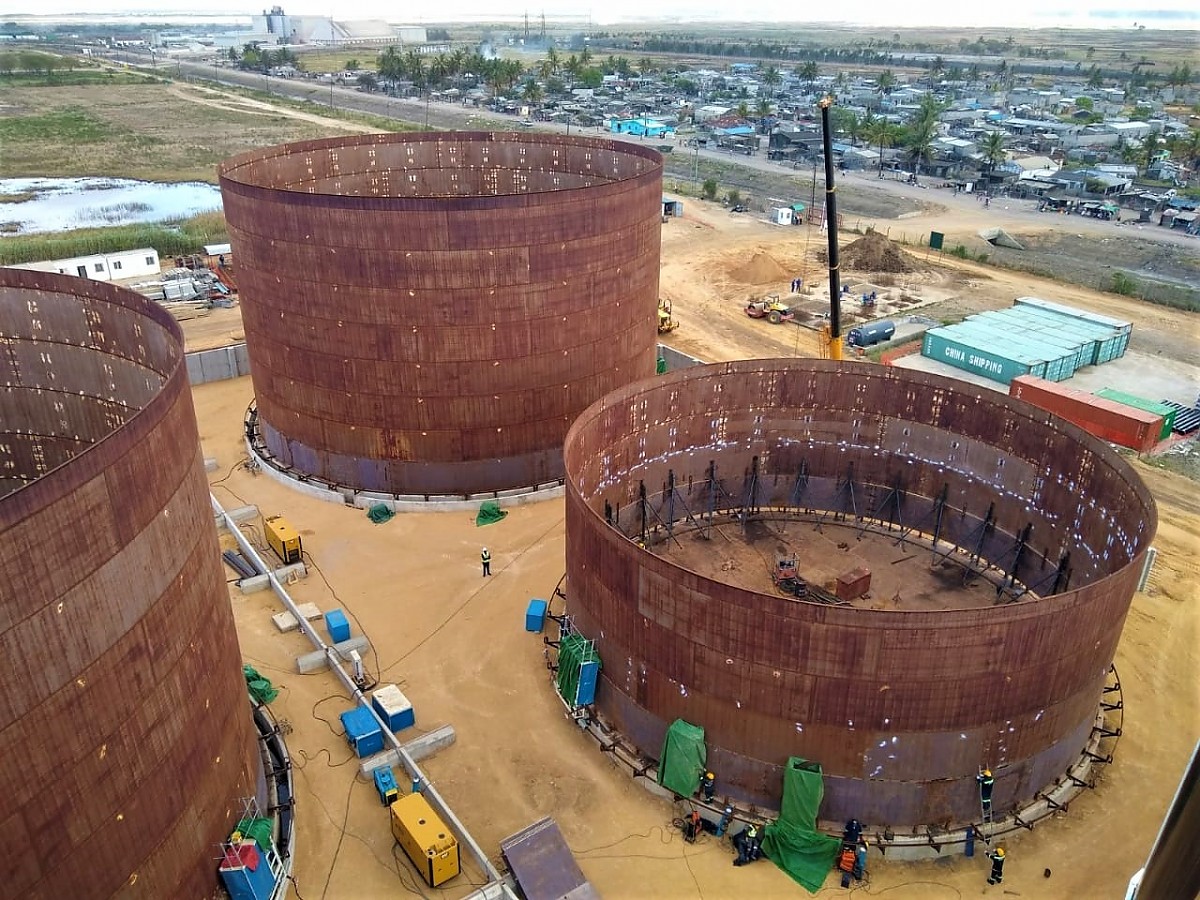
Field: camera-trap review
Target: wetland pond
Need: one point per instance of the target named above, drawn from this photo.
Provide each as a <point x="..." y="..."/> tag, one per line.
<point x="36" y="205"/>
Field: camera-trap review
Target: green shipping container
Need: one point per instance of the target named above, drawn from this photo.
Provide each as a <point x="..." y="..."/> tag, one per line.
<point x="962" y="353"/>
<point x="1055" y="363"/>
<point x="1150" y="406"/>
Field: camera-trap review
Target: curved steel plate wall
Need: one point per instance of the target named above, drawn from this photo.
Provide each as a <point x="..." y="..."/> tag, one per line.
<point x="427" y="313"/>
<point x="126" y="741"/>
<point x="900" y="707"/>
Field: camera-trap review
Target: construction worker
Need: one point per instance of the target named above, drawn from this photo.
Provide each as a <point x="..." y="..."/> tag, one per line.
<point x="486" y="559"/>
<point x="986" y="783"/>
<point x="746" y="844"/>
<point x="997" y="858"/>
<point x="708" y="782"/>
<point x="692" y="826"/>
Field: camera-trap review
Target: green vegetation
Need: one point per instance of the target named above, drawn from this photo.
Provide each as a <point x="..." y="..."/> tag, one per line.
<point x="187" y="236"/>
<point x="1122" y="284"/>
<point x="709" y="189"/>
<point x="69" y="124"/>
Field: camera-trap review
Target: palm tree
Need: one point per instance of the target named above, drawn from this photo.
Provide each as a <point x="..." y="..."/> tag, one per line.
<point x="771" y="78"/>
<point x="886" y="82"/>
<point x="585" y="56"/>
<point x="1150" y="150"/>
<point x="532" y="91"/>
<point x="764" y="107"/>
<point x="936" y="68"/>
<point x="553" y="60"/>
<point x="920" y="144"/>
<point x="884" y="135"/>
<point x="808" y="73"/>
<point x="993" y="151"/>
<point x="545" y="68"/>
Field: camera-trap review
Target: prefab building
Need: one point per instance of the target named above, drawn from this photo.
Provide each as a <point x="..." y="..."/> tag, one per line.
<point x="101" y="266"/>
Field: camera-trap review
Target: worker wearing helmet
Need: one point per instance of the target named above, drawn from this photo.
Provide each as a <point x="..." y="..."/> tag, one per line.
<point x="986" y="782"/>
<point x="997" y="858"/>
<point x="708" y="783"/>
<point x="486" y="559"/>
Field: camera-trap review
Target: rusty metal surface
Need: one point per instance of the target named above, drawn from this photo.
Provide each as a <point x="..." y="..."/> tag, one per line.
<point x="901" y="707"/>
<point x="126" y="739"/>
<point x="427" y="313"/>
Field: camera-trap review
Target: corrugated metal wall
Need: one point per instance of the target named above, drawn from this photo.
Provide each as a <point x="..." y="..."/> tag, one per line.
<point x="427" y="313"/>
<point x="901" y="707"/>
<point x="126" y="738"/>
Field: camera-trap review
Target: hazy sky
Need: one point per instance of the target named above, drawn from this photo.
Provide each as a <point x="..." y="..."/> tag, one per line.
<point x="887" y="13"/>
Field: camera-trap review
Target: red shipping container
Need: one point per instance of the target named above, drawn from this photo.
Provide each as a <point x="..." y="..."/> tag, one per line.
<point x="1110" y="421"/>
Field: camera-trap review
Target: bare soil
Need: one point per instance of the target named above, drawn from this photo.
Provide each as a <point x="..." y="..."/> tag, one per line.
<point x="455" y="642"/>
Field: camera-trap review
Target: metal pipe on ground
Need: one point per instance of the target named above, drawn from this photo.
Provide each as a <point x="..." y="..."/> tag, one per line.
<point x="335" y="664"/>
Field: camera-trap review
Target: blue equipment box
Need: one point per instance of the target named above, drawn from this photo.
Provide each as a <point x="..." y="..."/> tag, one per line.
<point x="385" y="783"/>
<point x="337" y="626"/>
<point x="535" y="615"/>
<point x="362" y="731"/>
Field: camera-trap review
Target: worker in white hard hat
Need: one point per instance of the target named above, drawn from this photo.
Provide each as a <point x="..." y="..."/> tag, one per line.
<point x="486" y="559"/>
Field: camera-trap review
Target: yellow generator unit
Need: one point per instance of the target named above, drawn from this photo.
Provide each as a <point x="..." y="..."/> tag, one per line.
<point x="283" y="539"/>
<point x="425" y="838"/>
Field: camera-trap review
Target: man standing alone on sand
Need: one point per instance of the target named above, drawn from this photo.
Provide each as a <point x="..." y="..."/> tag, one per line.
<point x="486" y="559"/>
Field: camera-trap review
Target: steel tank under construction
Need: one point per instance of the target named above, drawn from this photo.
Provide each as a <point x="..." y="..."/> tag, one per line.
<point x="902" y="577"/>
<point x="126" y="738"/>
<point x="426" y="314"/>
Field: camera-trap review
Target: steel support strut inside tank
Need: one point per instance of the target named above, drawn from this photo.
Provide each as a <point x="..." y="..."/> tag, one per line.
<point x="902" y="707"/>
<point x="428" y="313"/>
<point x="126" y="737"/>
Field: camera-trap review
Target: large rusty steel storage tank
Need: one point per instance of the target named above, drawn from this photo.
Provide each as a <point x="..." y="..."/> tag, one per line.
<point x="126" y="737"/>
<point x="1004" y="546"/>
<point x="428" y="313"/>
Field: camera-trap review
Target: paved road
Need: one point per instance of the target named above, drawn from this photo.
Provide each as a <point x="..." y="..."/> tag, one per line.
<point x="906" y="199"/>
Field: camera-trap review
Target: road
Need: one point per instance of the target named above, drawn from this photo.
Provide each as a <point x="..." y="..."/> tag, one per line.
<point x="923" y="205"/>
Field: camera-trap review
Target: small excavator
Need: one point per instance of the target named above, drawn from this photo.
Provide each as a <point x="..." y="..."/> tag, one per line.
<point x="771" y="309"/>
<point x="666" y="322"/>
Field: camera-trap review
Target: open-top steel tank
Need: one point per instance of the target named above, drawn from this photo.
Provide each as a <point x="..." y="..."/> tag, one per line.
<point x="126" y="738"/>
<point x="427" y="313"/>
<point x="1001" y="547"/>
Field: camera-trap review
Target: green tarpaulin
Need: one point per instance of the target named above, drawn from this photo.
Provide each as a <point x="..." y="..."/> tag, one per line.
<point x="260" y="688"/>
<point x="793" y="843"/>
<point x="683" y="758"/>
<point x="489" y="512"/>
<point x="573" y="651"/>
<point x="380" y="514"/>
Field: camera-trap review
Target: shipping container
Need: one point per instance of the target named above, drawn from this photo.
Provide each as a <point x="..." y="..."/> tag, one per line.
<point x="1037" y="357"/>
<point x="1112" y="341"/>
<point x="1071" y="312"/>
<point x="1106" y="419"/>
<point x="963" y="351"/>
<point x="425" y="838"/>
<point x="1151" y="406"/>
<point x="1081" y="351"/>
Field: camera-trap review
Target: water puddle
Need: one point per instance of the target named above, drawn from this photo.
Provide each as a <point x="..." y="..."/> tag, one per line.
<point x="32" y="205"/>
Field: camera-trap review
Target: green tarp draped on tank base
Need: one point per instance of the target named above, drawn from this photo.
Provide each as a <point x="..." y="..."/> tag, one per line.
<point x="489" y="512"/>
<point x="683" y="758"/>
<point x="259" y="687"/>
<point x="379" y="513"/>
<point x="793" y="843"/>
<point x="573" y="651"/>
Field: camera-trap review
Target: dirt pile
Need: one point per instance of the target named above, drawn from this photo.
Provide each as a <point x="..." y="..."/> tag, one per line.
<point x="875" y="253"/>
<point x="761" y="268"/>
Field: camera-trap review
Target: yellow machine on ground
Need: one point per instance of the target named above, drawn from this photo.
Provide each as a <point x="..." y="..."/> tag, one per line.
<point x="771" y="308"/>
<point x="666" y="323"/>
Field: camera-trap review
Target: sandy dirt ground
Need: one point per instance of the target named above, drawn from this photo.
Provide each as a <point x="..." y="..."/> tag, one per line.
<point x="206" y="96"/>
<point x="455" y="642"/>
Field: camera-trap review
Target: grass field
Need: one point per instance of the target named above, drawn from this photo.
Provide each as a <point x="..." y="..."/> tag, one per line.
<point x="150" y="130"/>
<point x="187" y="236"/>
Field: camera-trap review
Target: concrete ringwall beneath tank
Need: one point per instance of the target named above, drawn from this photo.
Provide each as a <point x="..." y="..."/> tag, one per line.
<point x="901" y="707"/>
<point x="126" y="738"/>
<point x="427" y="313"/>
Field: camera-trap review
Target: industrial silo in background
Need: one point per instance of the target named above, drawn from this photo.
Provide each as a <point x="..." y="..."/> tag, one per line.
<point x="426" y="314"/>
<point x="127" y="745"/>
<point x="717" y="523"/>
